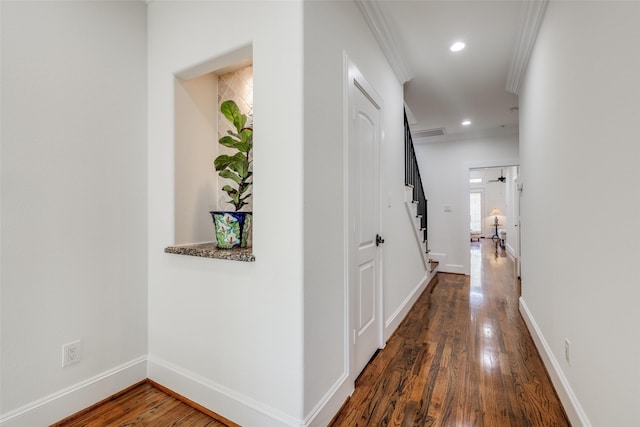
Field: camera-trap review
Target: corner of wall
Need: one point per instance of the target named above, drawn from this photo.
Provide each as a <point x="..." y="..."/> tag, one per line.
<point x="235" y="406"/>
<point x="68" y="401"/>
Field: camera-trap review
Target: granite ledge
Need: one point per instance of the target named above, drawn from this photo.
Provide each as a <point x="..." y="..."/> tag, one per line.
<point x="210" y="250"/>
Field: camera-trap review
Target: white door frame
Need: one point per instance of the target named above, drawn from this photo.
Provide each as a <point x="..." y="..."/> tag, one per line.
<point x="353" y="78"/>
<point x="518" y="206"/>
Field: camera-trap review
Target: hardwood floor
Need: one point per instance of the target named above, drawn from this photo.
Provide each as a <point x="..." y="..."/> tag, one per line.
<point x="462" y="357"/>
<point x="143" y="405"/>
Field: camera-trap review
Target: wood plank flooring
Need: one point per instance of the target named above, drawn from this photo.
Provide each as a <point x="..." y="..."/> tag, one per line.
<point x="462" y="357"/>
<point x="142" y="405"/>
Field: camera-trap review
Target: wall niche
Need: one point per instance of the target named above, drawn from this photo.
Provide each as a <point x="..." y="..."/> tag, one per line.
<point x="199" y="124"/>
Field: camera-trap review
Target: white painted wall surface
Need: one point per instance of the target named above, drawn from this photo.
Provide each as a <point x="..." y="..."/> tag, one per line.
<point x="196" y="145"/>
<point x="229" y="334"/>
<point x="579" y="157"/>
<point x="444" y="167"/>
<point x="74" y="223"/>
<point x="331" y="30"/>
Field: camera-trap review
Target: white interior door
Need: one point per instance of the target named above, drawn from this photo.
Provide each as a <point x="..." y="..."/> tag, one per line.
<point x="365" y="294"/>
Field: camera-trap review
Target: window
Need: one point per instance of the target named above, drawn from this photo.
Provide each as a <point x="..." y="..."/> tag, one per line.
<point x="475" y="211"/>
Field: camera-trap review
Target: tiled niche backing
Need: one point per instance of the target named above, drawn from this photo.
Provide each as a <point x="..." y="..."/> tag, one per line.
<point x="237" y="86"/>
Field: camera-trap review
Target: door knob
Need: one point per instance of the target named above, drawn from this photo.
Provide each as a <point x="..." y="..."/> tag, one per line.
<point x="379" y="240"/>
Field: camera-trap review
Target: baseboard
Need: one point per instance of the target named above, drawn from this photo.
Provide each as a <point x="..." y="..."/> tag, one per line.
<point x="392" y="323"/>
<point x="510" y="251"/>
<point x="446" y="267"/>
<point x="63" y="403"/>
<point x="330" y="404"/>
<point x="452" y="268"/>
<point x="228" y="403"/>
<point x="572" y="406"/>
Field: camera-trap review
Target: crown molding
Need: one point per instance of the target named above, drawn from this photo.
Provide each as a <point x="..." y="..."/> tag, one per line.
<point x="380" y="29"/>
<point x="530" y="21"/>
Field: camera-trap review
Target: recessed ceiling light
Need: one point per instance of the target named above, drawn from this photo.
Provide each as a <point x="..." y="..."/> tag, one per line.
<point x="457" y="47"/>
<point x="466" y="123"/>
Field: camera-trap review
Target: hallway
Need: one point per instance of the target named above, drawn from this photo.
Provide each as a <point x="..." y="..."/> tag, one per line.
<point x="462" y="357"/>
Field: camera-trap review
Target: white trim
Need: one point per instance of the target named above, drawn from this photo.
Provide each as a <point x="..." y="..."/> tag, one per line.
<point x="327" y="408"/>
<point x="70" y="400"/>
<point x="384" y="35"/>
<point x="510" y="251"/>
<point x="346" y="128"/>
<point x="572" y="406"/>
<point x="391" y="324"/>
<point x="229" y="403"/>
<point x="530" y="21"/>
<point x="453" y="268"/>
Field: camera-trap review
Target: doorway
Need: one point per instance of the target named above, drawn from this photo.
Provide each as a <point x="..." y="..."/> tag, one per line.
<point x="493" y="192"/>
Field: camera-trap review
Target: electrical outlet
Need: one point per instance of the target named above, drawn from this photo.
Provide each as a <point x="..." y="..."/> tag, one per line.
<point x="567" y="351"/>
<point x="71" y="353"/>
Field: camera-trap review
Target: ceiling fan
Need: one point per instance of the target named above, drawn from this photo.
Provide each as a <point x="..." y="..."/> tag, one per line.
<point x="501" y="178"/>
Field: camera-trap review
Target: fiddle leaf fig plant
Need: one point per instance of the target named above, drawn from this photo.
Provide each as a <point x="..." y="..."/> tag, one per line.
<point x="236" y="167"/>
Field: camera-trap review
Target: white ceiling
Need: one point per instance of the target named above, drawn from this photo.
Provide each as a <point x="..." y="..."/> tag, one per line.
<point x="449" y="87"/>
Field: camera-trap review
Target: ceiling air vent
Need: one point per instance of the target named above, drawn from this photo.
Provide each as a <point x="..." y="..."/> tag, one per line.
<point x="427" y="133"/>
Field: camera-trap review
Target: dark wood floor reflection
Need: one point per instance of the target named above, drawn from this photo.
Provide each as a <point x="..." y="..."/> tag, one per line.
<point x="462" y="357"/>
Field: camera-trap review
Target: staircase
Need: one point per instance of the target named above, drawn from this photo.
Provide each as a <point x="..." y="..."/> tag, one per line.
<point x="415" y="200"/>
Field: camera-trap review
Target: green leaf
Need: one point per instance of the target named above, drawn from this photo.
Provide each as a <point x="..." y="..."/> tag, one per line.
<point x="229" y="189"/>
<point x="229" y="141"/>
<point x="239" y="164"/>
<point x="247" y="140"/>
<point x="232" y="113"/>
<point x="222" y="161"/>
<point x="231" y="175"/>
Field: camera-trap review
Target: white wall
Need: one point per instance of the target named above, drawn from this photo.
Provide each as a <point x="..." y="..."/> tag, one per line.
<point x="331" y="30"/>
<point x="444" y="167"/>
<point x="73" y="213"/>
<point x="579" y="158"/>
<point x="235" y="337"/>
<point x="229" y="334"/>
<point x="196" y="140"/>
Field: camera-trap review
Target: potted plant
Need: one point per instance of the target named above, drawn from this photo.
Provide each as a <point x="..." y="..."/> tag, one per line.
<point x="233" y="228"/>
